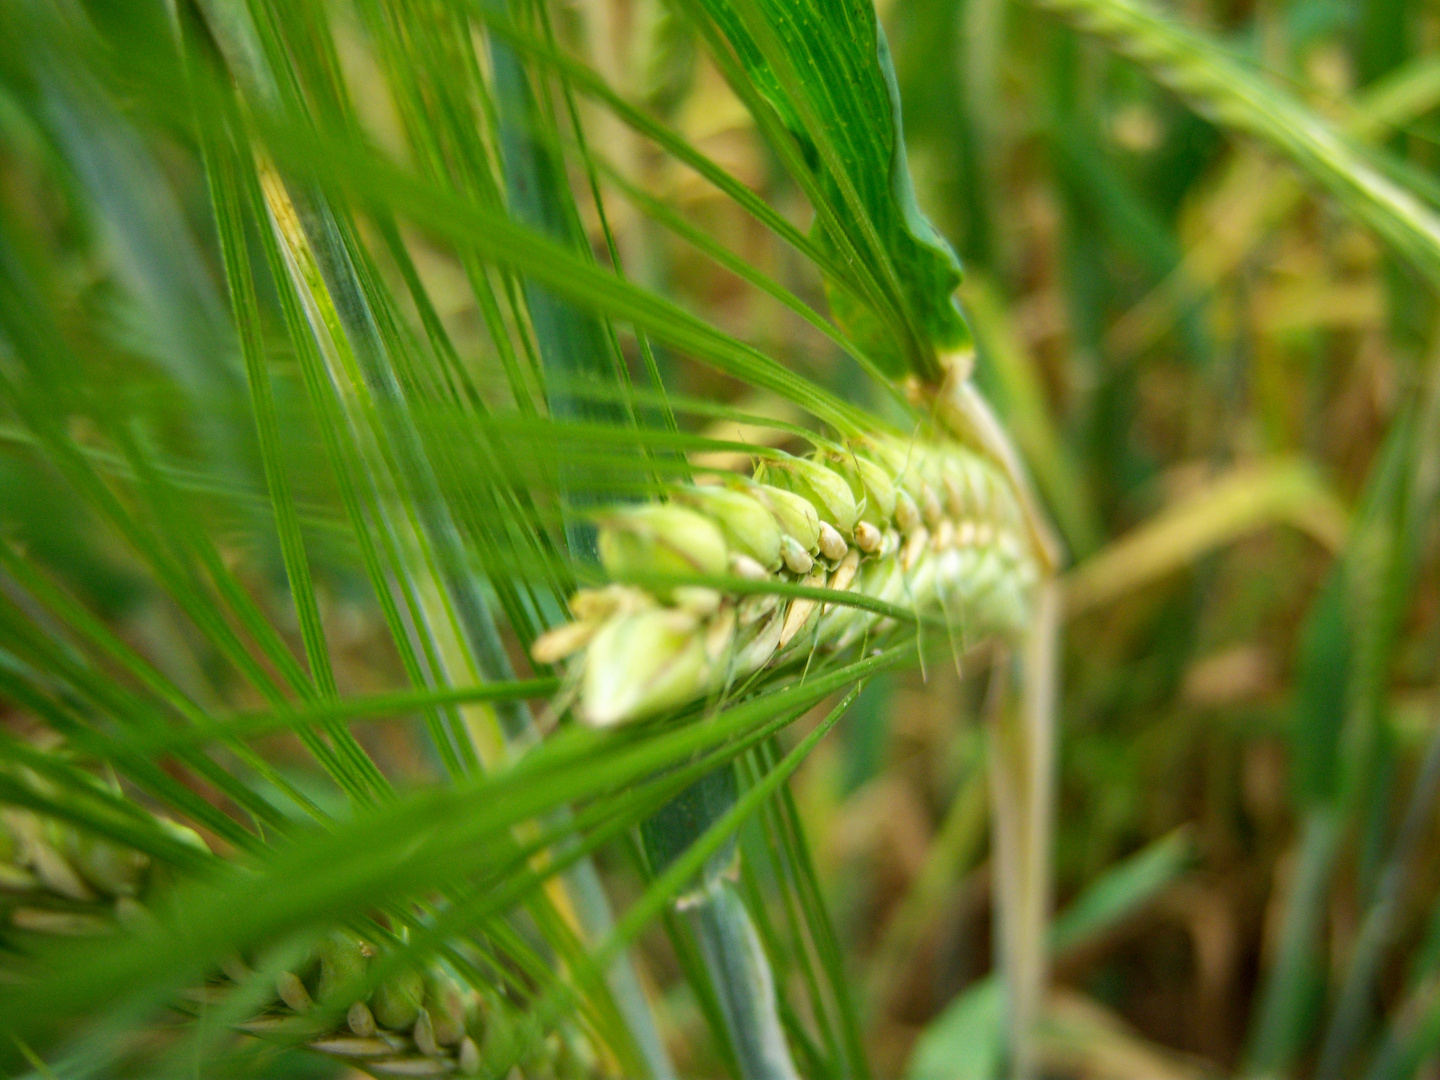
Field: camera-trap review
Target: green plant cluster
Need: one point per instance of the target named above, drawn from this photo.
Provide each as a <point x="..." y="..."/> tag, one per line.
<point x="507" y="494"/>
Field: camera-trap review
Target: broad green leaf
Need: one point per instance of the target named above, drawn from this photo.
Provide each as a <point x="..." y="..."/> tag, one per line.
<point x="825" y="71"/>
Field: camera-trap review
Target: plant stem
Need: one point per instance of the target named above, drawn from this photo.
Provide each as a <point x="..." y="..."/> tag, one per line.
<point x="1022" y="759"/>
<point x="744" y="982"/>
<point x="734" y="958"/>
<point x="1022" y="795"/>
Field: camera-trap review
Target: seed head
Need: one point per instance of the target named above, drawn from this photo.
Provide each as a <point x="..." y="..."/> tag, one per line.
<point x="397" y="1000"/>
<point x="832" y="544"/>
<point x="929" y="528"/>
<point x="797" y="559"/>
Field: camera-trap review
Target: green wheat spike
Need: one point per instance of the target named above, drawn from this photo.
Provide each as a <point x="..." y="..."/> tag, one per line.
<point x="928" y="528"/>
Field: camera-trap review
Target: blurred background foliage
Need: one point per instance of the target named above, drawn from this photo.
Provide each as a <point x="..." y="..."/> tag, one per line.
<point x="1223" y="381"/>
<point x="1183" y="312"/>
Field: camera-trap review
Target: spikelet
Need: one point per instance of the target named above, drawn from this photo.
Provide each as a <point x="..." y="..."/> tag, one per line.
<point x="931" y="527"/>
<point x="56" y="879"/>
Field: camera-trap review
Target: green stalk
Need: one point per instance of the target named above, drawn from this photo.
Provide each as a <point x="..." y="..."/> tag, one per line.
<point x="741" y="972"/>
<point x="1022" y="761"/>
<point x="1413" y="1033"/>
<point x="1290" y="987"/>
<point x="1343" y="678"/>
<point x="1412" y="521"/>
<point x="733" y="955"/>
<point x="576" y="353"/>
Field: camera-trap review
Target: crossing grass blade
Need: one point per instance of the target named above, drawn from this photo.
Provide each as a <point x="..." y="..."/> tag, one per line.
<point x="381" y="860"/>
